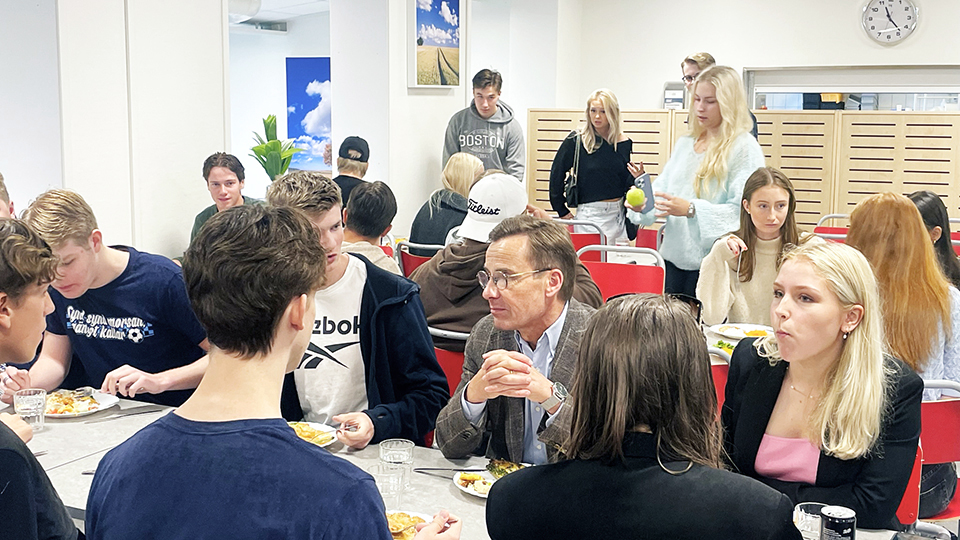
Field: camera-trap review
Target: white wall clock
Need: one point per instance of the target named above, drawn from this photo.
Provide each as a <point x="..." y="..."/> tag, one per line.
<point x="890" y="21"/>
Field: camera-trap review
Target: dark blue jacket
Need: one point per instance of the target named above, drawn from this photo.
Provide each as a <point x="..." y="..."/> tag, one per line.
<point x="405" y="386"/>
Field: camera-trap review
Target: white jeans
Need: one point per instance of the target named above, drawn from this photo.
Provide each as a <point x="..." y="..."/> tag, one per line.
<point x="607" y="215"/>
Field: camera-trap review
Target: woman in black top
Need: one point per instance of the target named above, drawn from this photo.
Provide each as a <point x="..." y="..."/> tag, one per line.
<point x="937" y="221"/>
<point x="604" y="171"/>
<point x="644" y="444"/>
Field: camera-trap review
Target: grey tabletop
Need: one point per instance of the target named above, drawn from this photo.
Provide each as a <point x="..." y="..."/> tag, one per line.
<point x="73" y="446"/>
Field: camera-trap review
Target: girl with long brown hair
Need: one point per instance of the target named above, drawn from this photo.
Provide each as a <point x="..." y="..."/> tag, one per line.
<point x="737" y="275"/>
<point x="921" y="309"/>
<point x="645" y="444"/>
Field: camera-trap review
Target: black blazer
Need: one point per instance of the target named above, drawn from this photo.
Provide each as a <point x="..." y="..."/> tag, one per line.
<point x="872" y="485"/>
<point x="635" y="499"/>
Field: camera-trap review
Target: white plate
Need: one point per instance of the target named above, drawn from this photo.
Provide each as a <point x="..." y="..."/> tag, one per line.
<point x="321" y="427"/>
<point x="486" y="475"/>
<point x="739" y="330"/>
<point x="105" y="401"/>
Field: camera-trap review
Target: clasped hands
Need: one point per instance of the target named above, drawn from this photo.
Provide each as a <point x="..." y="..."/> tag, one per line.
<point x="508" y="374"/>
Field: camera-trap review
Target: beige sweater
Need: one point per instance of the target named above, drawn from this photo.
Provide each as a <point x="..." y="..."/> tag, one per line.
<point x="373" y="253"/>
<point x="725" y="298"/>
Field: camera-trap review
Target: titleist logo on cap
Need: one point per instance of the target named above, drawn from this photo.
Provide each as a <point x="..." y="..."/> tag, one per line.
<point x="478" y="208"/>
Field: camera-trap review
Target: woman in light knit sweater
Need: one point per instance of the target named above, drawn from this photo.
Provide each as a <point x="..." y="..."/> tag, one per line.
<point x="700" y="187"/>
<point x="736" y="278"/>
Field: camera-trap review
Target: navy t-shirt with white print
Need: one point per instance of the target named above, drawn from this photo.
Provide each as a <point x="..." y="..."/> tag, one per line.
<point x="142" y="318"/>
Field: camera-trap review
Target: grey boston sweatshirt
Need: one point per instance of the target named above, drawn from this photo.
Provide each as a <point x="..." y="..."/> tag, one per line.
<point x="497" y="141"/>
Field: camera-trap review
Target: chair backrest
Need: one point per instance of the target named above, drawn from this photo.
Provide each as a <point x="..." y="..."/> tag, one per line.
<point x="616" y="278"/>
<point x="955" y="240"/>
<point x="720" y="372"/>
<point x="409" y="262"/>
<point x="647" y="238"/>
<point x="940" y="426"/>
<point x="581" y="240"/>
<point x="909" y="508"/>
<point x="387" y="249"/>
<point x="832" y="234"/>
<point x="452" y="365"/>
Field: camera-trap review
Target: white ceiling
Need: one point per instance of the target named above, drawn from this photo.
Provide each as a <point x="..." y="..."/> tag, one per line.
<point x="284" y="10"/>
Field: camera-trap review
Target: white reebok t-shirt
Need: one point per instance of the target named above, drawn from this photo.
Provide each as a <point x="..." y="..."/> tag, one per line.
<point x="330" y="378"/>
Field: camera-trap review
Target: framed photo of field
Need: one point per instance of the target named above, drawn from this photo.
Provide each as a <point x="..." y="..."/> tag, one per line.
<point x="435" y="44"/>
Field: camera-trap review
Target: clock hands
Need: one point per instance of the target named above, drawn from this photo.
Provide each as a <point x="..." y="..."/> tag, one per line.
<point x="889" y="18"/>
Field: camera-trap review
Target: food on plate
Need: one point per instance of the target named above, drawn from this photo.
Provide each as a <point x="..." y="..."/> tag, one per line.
<point x="311" y="434"/>
<point x="755" y="333"/>
<point x="724" y="346"/>
<point x="475" y="482"/>
<point x="64" y="402"/>
<point x="501" y="467"/>
<point x="402" y="525"/>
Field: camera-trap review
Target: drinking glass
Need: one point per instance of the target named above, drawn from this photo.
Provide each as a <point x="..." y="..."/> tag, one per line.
<point x="398" y="453"/>
<point x="30" y="404"/>
<point x="806" y="516"/>
<point x="389" y="479"/>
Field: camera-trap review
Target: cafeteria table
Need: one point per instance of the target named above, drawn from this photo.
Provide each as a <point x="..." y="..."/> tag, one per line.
<point x="72" y="446"/>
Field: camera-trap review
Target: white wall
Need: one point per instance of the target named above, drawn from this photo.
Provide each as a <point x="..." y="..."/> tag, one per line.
<point x="29" y="99"/>
<point x="636" y="46"/>
<point x="143" y="103"/>
<point x="258" y="85"/>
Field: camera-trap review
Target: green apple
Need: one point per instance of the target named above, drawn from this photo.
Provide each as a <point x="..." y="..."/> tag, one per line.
<point x="635" y="197"/>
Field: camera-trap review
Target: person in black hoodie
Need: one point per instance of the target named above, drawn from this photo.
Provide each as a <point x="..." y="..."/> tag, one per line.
<point x="448" y="206"/>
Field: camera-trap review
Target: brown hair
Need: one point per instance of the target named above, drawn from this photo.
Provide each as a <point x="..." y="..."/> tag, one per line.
<point x="371" y="209"/>
<point x="888" y="230"/>
<point x="308" y="191"/>
<point x="487" y="77"/>
<point x="789" y="232"/>
<point x="243" y="269"/>
<point x="59" y="215"/>
<point x="222" y="159"/>
<point x="548" y="246"/>
<point x="661" y="379"/>
<point x="25" y="259"/>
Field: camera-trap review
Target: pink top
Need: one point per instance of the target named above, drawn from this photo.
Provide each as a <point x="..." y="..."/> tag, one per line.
<point x="789" y="460"/>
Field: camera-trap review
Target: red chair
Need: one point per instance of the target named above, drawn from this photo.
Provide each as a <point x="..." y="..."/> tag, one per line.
<point x="388" y="250"/>
<point x="615" y="279"/>
<point x="909" y="507"/>
<point x="582" y="239"/>
<point x="452" y="365"/>
<point x="719" y="372"/>
<point x="648" y="238"/>
<point x="832" y="234"/>
<point x="409" y="262"/>
<point x="955" y="240"/>
<point x="940" y="437"/>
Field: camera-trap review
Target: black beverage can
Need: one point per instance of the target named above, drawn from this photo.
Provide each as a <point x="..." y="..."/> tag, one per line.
<point x="838" y="523"/>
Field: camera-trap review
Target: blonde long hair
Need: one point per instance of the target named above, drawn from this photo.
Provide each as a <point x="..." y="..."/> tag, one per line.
<point x="735" y="119"/>
<point x="460" y="172"/>
<point x="888" y="229"/>
<point x="588" y="133"/>
<point x="848" y="419"/>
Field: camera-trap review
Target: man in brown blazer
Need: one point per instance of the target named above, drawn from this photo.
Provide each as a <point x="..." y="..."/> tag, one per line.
<point x="520" y="358"/>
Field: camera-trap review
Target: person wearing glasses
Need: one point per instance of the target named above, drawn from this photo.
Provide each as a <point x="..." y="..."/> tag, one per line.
<point x="699" y="189"/>
<point x="452" y="297"/>
<point x="692" y="66"/>
<point x="526" y="348"/>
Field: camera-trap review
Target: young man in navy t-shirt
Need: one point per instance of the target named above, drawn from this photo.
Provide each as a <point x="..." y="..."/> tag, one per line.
<point x="225" y="464"/>
<point x="122" y="313"/>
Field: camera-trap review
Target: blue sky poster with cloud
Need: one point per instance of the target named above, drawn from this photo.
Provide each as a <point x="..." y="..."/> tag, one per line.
<point x="438" y="42"/>
<point x="308" y="111"/>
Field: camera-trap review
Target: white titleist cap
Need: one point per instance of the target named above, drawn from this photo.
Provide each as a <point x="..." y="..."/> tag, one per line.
<point x="492" y="199"/>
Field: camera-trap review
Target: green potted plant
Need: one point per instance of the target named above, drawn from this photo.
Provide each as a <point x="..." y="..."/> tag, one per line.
<point x="274" y="155"/>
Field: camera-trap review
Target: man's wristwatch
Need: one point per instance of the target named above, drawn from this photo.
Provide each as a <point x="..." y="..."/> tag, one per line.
<point x="691" y="211"/>
<point x="557" y="397"/>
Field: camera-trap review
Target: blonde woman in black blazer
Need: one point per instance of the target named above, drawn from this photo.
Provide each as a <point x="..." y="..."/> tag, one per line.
<point x="645" y="444"/>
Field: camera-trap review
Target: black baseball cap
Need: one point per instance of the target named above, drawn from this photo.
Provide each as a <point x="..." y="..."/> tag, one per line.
<point x="358" y="144"/>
